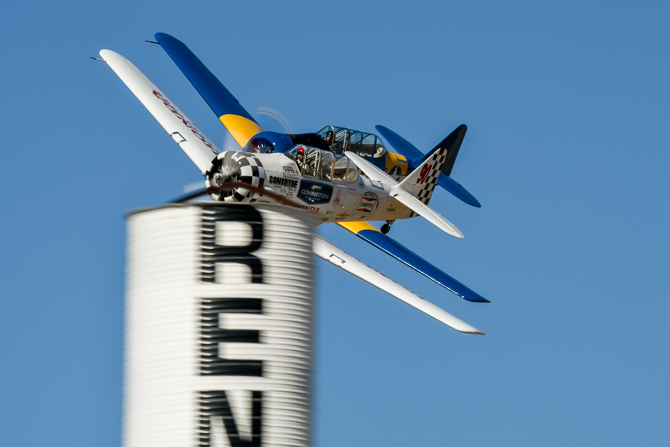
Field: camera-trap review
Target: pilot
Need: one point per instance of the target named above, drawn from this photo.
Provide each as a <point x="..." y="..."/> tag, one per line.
<point x="335" y="146"/>
<point x="300" y="161"/>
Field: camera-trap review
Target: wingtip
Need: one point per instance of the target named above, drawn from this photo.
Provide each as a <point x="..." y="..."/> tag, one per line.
<point x="471" y="330"/>
<point x="475" y="299"/>
<point x="159" y="36"/>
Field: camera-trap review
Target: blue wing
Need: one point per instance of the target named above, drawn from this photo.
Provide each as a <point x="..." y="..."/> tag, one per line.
<point x="237" y="120"/>
<point x="457" y="190"/>
<point x="375" y="237"/>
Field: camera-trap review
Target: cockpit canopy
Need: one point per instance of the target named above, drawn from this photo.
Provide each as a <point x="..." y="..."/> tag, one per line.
<point x="361" y="143"/>
<point x="324" y="164"/>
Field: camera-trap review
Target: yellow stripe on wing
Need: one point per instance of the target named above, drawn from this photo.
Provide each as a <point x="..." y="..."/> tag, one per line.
<point x="241" y="128"/>
<point x="355" y="227"/>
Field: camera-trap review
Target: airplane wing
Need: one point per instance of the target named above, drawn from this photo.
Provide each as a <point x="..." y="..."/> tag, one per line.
<point x="328" y="252"/>
<point x="237" y="120"/>
<point x="404" y="197"/>
<point x="372" y="235"/>
<point x="194" y="143"/>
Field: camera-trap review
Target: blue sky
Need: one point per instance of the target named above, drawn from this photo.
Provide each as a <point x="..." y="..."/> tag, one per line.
<point x="567" y="150"/>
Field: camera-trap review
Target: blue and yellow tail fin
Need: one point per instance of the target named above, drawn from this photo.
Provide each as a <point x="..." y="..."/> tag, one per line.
<point x="237" y="120"/>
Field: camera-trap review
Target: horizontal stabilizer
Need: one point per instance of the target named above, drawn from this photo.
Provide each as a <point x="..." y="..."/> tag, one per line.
<point x="457" y="190"/>
<point x="405" y="197"/>
<point x="175" y="122"/>
<point x="231" y="113"/>
<point x="427" y="213"/>
<point x="400" y="144"/>
<point x="371" y="170"/>
<point x="328" y="252"/>
<point x="372" y="235"/>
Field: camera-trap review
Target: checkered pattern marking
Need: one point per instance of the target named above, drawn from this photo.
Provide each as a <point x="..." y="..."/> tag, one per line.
<point x="250" y="170"/>
<point x="428" y="186"/>
<point x="438" y="159"/>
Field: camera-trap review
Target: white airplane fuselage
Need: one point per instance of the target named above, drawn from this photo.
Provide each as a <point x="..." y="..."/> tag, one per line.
<point x="362" y="199"/>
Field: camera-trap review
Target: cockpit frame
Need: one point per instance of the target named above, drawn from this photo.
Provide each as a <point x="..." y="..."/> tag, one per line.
<point x="324" y="165"/>
<point x="364" y="144"/>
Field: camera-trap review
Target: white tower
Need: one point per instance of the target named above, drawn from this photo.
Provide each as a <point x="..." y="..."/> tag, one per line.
<point x="219" y="318"/>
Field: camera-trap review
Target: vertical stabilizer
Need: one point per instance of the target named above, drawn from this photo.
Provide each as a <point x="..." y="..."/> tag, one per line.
<point x="421" y="182"/>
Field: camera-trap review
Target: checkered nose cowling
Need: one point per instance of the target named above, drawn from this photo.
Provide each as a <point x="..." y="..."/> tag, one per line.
<point x="233" y="166"/>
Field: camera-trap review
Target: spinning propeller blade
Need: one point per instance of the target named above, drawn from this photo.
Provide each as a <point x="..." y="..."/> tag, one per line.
<point x="231" y="185"/>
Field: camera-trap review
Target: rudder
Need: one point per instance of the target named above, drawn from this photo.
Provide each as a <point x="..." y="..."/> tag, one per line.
<point x="422" y="181"/>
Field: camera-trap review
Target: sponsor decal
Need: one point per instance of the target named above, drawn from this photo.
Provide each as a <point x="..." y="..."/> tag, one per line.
<point x="314" y="193"/>
<point x="337" y="200"/>
<point x="281" y="181"/>
<point x="424" y="173"/>
<point x="289" y="170"/>
<point x="172" y="108"/>
<point x="367" y="205"/>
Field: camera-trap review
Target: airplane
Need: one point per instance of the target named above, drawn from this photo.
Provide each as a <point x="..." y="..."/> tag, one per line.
<point x="341" y="175"/>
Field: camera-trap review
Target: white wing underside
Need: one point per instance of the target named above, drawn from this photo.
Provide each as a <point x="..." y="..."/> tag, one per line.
<point x="328" y="252"/>
<point x="194" y="143"/>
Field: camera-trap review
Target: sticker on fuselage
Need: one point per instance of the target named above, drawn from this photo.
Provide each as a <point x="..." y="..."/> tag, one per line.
<point x="315" y="193"/>
<point x="284" y="182"/>
<point x="367" y="205"/>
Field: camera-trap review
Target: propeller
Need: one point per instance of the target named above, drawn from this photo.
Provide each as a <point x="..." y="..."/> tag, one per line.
<point x="237" y="184"/>
<point x="277" y="116"/>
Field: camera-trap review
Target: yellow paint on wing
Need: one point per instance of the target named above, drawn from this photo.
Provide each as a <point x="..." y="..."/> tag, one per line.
<point x="396" y="165"/>
<point x="355" y="227"/>
<point x="241" y="128"/>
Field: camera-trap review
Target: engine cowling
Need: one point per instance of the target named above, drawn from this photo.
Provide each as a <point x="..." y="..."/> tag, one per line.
<point x="233" y="166"/>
